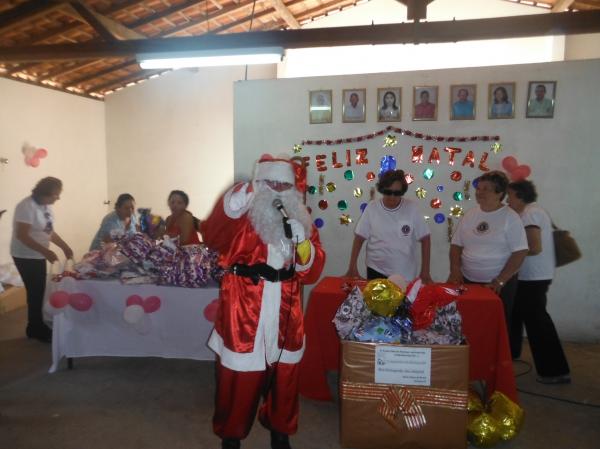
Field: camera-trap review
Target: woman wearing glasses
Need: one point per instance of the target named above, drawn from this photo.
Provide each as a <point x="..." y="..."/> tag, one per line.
<point x="33" y="230"/>
<point x="392" y="226"/>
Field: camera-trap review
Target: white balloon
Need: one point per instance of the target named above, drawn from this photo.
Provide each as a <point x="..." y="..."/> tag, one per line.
<point x="399" y="280"/>
<point x="133" y="313"/>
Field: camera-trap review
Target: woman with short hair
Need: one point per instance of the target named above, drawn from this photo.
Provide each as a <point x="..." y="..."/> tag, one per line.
<point x="181" y="223"/>
<point x="392" y="226"/>
<point x="33" y="231"/>
<point x="535" y="277"/>
<point x="489" y="244"/>
<point x="119" y="222"/>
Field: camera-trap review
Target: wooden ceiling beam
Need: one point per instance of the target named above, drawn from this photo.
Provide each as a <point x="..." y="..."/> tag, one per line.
<point x="26" y="12"/>
<point x="284" y="13"/>
<point x="108" y="28"/>
<point x="61" y="71"/>
<point x="404" y="33"/>
<point x="562" y="5"/>
<point x="164" y="13"/>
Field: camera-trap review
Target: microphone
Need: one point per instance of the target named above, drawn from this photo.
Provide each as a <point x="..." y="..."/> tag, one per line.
<point x="277" y="204"/>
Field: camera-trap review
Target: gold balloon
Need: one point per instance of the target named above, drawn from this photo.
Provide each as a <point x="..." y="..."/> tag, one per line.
<point x="382" y="297"/>
<point x="482" y="430"/>
<point x="508" y="415"/>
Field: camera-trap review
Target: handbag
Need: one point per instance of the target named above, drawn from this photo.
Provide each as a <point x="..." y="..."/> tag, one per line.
<point x="566" y="249"/>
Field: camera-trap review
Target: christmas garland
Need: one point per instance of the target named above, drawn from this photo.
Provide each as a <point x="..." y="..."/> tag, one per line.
<point x="405" y="132"/>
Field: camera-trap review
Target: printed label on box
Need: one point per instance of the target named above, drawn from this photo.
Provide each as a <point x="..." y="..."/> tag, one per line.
<point x="402" y="365"/>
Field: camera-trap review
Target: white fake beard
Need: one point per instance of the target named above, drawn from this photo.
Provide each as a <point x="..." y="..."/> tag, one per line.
<point x="267" y="220"/>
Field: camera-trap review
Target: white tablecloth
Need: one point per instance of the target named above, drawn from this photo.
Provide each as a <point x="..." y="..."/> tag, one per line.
<point x="177" y="330"/>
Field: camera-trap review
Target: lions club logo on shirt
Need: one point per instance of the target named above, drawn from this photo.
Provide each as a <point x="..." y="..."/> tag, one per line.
<point x="405" y="229"/>
<point x="482" y="228"/>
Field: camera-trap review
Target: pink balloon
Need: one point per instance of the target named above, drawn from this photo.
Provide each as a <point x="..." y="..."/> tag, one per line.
<point x="134" y="299"/>
<point x="151" y="304"/>
<point x="211" y="311"/>
<point x="521" y="172"/>
<point x="40" y="153"/>
<point x="33" y="162"/>
<point x="509" y="163"/>
<point x="80" y="302"/>
<point x="59" y="299"/>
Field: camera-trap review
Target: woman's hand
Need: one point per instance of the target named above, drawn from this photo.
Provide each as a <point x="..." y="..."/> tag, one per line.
<point x="352" y="273"/>
<point x="50" y="256"/>
<point x="68" y="252"/>
<point x="426" y="278"/>
<point x="495" y="286"/>
<point x="455" y="278"/>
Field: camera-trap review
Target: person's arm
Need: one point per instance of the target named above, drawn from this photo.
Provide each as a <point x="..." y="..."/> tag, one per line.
<point x="356" y="247"/>
<point x="22" y="233"/>
<point x="455" y="276"/>
<point x="58" y="241"/>
<point x="534" y="240"/>
<point x="511" y="267"/>
<point x="425" y="260"/>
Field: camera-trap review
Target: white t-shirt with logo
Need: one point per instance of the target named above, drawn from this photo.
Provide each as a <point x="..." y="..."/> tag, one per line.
<point x="541" y="266"/>
<point x="488" y="239"/>
<point x="41" y="219"/>
<point x="392" y="236"/>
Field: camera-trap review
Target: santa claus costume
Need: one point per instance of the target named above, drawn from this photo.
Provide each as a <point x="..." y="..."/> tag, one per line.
<point x="259" y="335"/>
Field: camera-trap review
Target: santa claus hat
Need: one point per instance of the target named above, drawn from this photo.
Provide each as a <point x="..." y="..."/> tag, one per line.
<point x="269" y="168"/>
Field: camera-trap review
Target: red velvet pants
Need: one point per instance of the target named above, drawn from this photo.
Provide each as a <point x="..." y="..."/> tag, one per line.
<point x="239" y="393"/>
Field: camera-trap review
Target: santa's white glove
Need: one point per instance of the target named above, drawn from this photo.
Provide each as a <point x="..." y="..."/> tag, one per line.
<point x="298" y="235"/>
<point x="238" y="200"/>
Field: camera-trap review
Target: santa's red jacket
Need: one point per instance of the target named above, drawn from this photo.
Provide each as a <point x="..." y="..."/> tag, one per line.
<point x="256" y="324"/>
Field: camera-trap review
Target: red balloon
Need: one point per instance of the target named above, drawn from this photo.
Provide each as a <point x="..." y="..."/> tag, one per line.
<point x="59" y="299"/>
<point x="151" y="304"/>
<point x="40" y="153"/>
<point x="80" y="302"/>
<point x="33" y="161"/>
<point x="134" y="300"/>
<point x="509" y="163"/>
<point x="521" y="172"/>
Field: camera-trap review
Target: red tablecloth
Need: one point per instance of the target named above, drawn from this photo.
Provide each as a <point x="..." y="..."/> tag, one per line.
<point x="483" y="325"/>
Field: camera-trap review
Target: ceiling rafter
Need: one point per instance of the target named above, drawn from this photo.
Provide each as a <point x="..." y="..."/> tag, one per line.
<point x="561" y="5"/>
<point x="26" y="12"/>
<point x="83" y="79"/>
<point x="284" y="13"/>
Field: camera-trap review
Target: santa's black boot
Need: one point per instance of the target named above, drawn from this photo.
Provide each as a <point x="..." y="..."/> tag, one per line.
<point x="230" y="443"/>
<point x="279" y="440"/>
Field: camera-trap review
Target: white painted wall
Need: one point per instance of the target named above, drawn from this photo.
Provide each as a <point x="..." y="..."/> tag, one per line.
<point x="582" y="46"/>
<point x="271" y="116"/>
<point x="71" y="128"/>
<point x="393" y="58"/>
<point x="174" y="132"/>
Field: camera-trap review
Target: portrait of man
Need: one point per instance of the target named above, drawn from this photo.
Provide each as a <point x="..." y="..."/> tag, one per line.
<point x="425" y="103"/>
<point x="462" y="99"/>
<point x="540" y="99"/>
<point x="353" y="106"/>
<point x="319" y="105"/>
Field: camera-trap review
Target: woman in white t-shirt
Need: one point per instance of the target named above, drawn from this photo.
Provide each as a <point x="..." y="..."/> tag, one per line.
<point x="392" y="226"/>
<point x="489" y="244"/>
<point x="33" y="230"/>
<point x="535" y="276"/>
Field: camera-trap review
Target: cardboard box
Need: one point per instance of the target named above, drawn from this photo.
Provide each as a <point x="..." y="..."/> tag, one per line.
<point x="443" y="402"/>
<point x="12" y="298"/>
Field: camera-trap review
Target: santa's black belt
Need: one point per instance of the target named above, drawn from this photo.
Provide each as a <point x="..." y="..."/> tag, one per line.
<point x="260" y="271"/>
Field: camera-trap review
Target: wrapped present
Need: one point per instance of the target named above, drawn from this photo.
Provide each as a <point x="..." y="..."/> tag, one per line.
<point x="397" y="396"/>
<point x="351" y="313"/>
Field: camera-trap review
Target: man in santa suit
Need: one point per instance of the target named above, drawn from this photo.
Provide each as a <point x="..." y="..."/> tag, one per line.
<point x="258" y="334"/>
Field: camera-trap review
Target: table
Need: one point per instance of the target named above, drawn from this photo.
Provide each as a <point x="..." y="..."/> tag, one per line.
<point x="178" y="329"/>
<point x="483" y="325"/>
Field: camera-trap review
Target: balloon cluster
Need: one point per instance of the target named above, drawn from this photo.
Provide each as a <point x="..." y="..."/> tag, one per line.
<point x="136" y="309"/>
<point x="79" y="301"/>
<point x="499" y="419"/>
<point x="515" y="171"/>
<point x="150" y="224"/>
<point x="33" y="154"/>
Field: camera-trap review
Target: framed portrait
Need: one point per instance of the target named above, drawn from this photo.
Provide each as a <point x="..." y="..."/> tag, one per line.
<point x="389" y="104"/>
<point x="463" y="98"/>
<point x="320" y="106"/>
<point x="501" y="100"/>
<point x="540" y="99"/>
<point x="425" y="102"/>
<point x="354" y="105"/>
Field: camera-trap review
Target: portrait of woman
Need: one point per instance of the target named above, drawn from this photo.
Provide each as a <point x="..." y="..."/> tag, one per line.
<point x="389" y="102"/>
<point x="319" y="106"/>
<point x="501" y="101"/>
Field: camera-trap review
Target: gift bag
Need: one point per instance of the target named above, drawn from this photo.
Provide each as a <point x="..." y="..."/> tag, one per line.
<point x="566" y="249"/>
